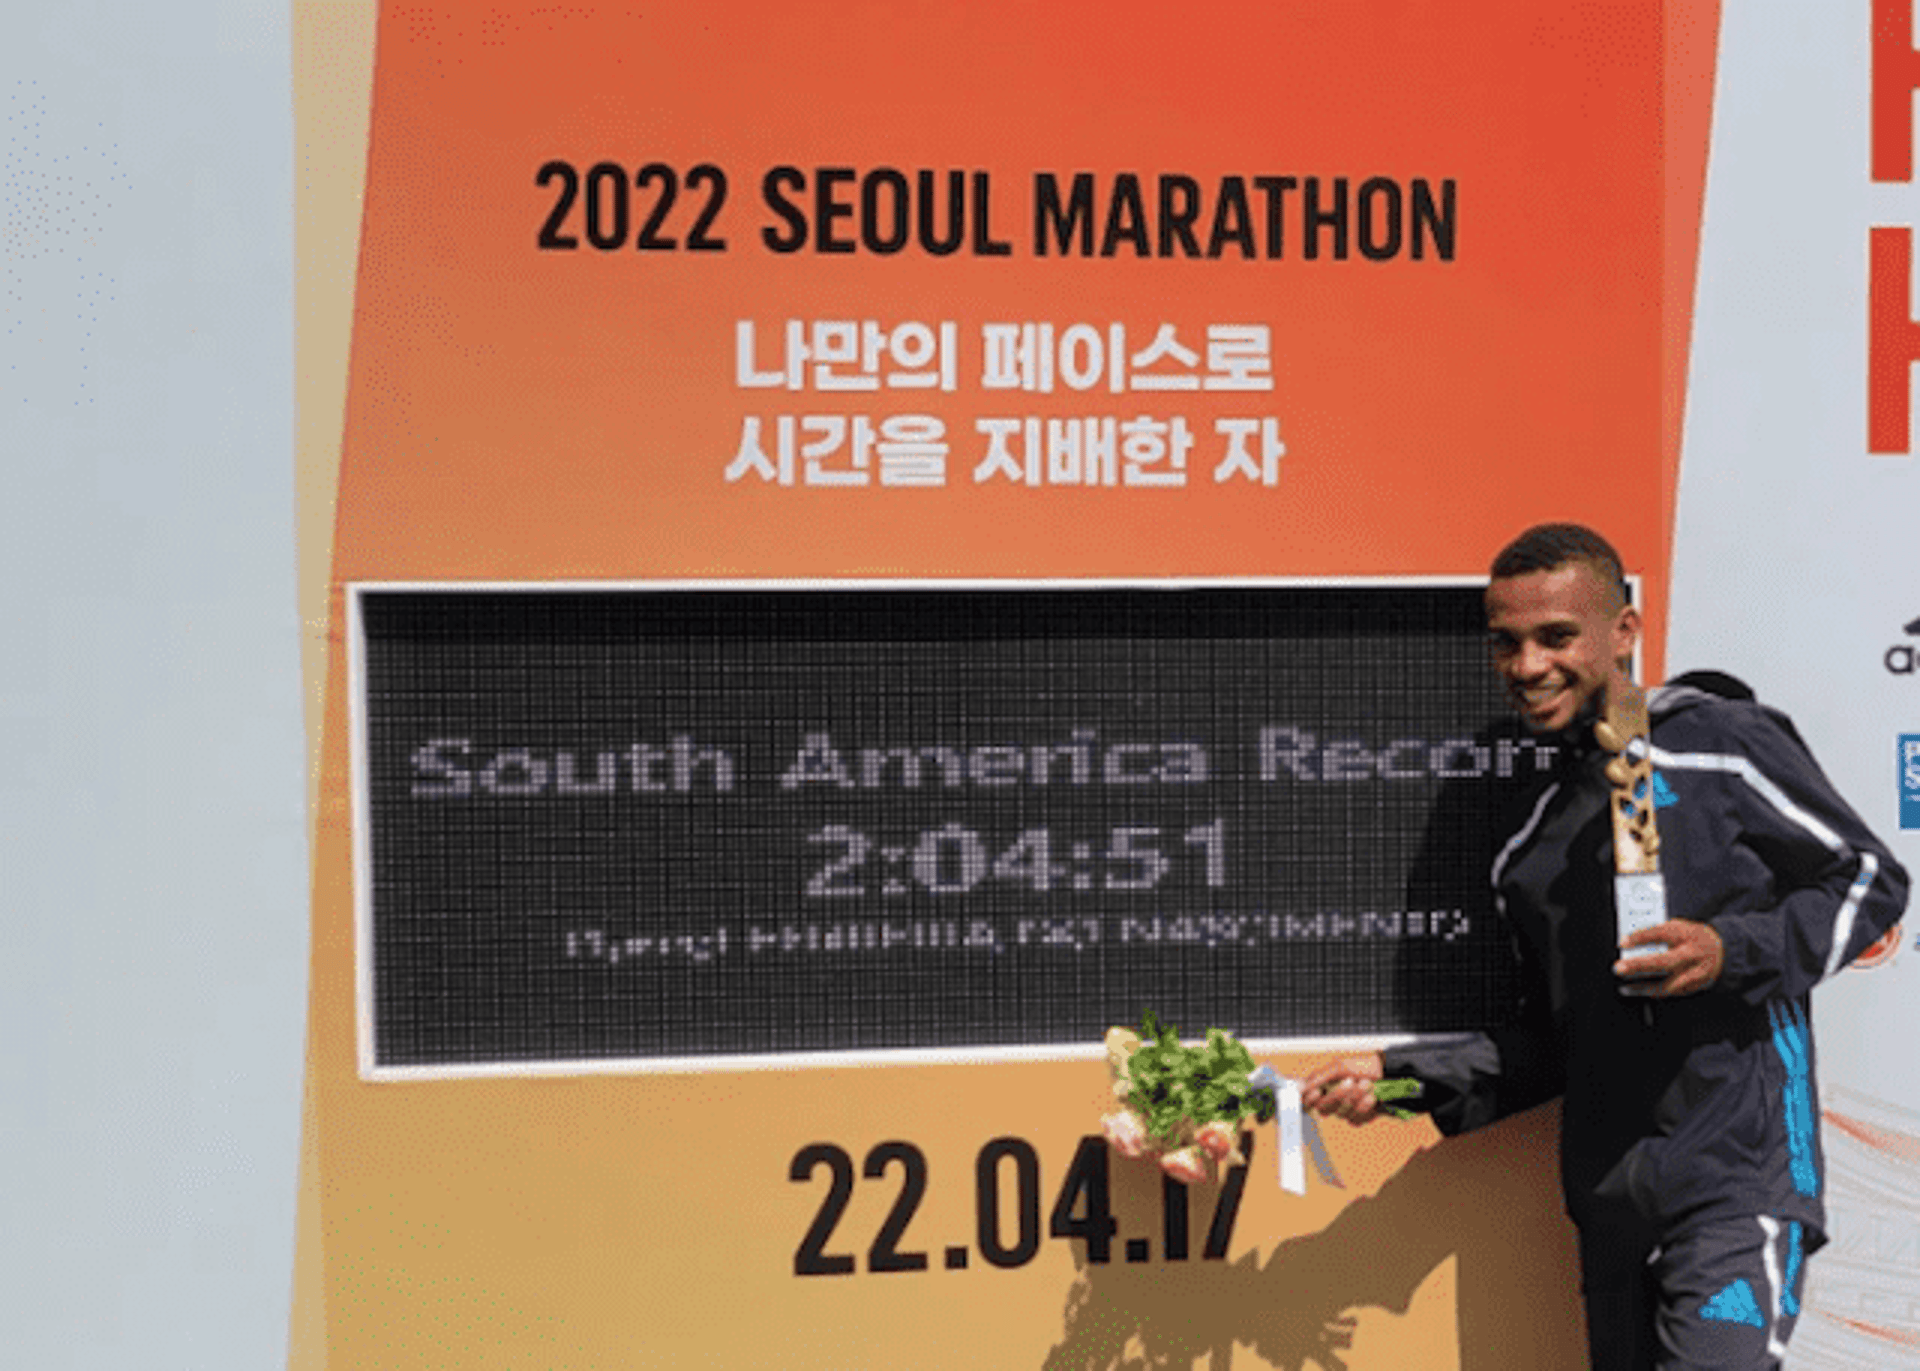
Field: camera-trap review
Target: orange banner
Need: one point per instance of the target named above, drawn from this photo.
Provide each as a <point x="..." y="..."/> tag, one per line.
<point x="995" y="291"/>
<point x="1443" y="238"/>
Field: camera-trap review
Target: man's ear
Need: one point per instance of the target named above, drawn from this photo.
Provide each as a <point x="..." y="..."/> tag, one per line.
<point x="1626" y="635"/>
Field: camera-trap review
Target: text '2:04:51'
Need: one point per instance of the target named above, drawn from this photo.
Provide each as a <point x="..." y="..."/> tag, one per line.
<point x="953" y="860"/>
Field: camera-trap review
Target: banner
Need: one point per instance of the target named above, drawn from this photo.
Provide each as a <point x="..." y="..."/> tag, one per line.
<point x="1002" y="301"/>
<point x="1792" y="566"/>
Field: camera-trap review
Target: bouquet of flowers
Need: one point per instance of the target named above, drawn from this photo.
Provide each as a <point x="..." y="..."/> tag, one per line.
<point x="1182" y="1104"/>
<point x="1186" y="1104"/>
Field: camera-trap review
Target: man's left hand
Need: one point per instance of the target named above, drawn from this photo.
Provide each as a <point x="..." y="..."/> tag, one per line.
<point x="1690" y="963"/>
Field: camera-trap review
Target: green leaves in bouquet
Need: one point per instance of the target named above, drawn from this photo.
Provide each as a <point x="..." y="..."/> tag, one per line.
<point x="1396" y="1088"/>
<point x="1174" y="1084"/>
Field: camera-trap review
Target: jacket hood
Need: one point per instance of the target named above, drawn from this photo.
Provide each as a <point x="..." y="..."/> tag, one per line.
<point x="1694" y="688"/>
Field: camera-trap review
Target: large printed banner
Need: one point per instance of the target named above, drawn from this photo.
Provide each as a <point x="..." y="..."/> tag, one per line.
<point x="915" y="290"/>
<point x="1008" y="445"/>
<point x="1793" y="562"/>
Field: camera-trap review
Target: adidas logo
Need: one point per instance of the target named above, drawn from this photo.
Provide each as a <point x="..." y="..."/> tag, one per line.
<point x="1735" y="1304"/>
<point x="1901" y="658"/>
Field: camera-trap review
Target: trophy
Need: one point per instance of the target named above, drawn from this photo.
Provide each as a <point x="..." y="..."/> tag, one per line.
<point x="1639" y="888"/>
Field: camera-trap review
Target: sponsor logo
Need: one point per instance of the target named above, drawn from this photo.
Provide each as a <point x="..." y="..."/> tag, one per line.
<point x="1903" y="659"/>
<point x="1880" y="951"/>
<point x="1735" y="1304"/>
<point x="1908" y="760"/>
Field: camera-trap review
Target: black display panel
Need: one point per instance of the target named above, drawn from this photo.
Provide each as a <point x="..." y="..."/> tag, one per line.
<point x="675" y="825"/>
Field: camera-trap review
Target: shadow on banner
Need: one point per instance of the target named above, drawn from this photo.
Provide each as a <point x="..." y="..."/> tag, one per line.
<point x="1464" y="1204"/>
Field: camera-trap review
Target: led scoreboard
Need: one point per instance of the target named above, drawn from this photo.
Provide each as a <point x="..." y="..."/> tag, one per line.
<point x="704" y="824"/>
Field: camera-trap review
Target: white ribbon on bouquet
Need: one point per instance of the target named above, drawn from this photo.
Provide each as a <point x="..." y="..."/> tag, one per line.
<point x="1297" y="1131"/>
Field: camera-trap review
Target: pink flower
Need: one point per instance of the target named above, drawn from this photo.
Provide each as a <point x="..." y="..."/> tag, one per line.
<point x="1185" y="1164"/>
<point x="1126" y="1133"/>
<point x="1217" y="1140"/>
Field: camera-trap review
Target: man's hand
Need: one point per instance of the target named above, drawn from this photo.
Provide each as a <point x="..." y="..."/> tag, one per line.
<point x="1691" y="962"/>
<point x="1344" y="1089"/>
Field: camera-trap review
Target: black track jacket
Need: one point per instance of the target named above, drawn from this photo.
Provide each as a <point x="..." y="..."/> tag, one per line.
<point x="1704" y="1107"/>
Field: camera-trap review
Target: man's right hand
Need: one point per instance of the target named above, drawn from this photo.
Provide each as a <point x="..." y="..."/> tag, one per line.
<point x="1343" y="1089"/>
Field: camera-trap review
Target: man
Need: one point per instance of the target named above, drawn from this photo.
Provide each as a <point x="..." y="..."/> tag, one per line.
<point x="1690" y="1152"/>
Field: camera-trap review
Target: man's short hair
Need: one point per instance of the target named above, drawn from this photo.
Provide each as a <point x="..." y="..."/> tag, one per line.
<point x="1547" y="547"/>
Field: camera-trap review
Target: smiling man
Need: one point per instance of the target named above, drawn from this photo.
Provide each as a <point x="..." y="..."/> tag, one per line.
<point x="1562" y="631"/>
<point x="1690" y="1150"/>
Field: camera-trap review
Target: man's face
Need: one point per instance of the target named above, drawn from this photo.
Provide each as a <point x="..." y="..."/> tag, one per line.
<point x="1555" y="637"/>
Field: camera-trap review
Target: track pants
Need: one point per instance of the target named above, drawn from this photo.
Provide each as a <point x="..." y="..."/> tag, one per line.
<point x="1722" y="1297"/>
